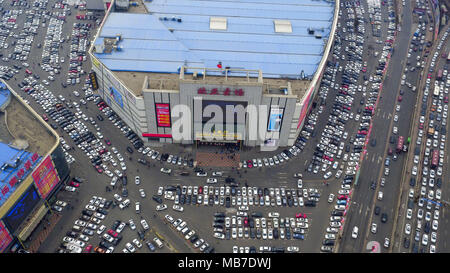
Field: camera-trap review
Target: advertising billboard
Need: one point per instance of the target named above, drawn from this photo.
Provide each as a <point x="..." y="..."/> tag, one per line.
<point x="21" y="209"/>
<point x="5" y="237"/>
<point x="116" y="95"/>
<point x="45" y="177"/>
<point x="162" y="114"/>
<point x="275" y="118"/>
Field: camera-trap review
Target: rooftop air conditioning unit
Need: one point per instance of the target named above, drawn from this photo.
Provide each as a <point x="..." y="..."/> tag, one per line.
<point x="99" y="48"/>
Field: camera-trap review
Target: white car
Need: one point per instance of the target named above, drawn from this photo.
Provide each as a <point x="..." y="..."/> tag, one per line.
<point x="409" y="213"/>
<point x="137" y="180"/>
<point x="144" y="224"/>
<point x="386" y="242"/>
<point x="131" y="224"/>
<point x="178" y="208"/>
<point x="355" y="232"/>
<point x="380" y="195"/>
<point x="161" y="207"/>
<point x="211" y="180"/>
<point x="130" y="247"/>
<point x="137" y="243"/>
<point x="407" y="229"/>
<point x="331" y="198"/>
<point x="101" y="229"/>
<point x="142" y="193"/>
<point x="327" y="175"/>
<point x="373" y="228"/>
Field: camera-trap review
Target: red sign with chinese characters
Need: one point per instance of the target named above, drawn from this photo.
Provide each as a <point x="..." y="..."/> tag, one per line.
<point x="27" y="165"/>
<point x="224" y="92"/>
<point x="45" y="177"/>
<point x="5" y="237"/>
<point x="5" y="190"/>
<point x="20" y="173"/>
<point x="34" y="157"/>
<point x="13" y="181"/>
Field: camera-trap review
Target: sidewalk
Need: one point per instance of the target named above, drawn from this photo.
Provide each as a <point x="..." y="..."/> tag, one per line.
<point x="42" y="231"/>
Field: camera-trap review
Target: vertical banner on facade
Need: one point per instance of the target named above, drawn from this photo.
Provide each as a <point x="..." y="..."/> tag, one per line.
<point x="275" y="118"/>
<point x="304" y="107"/>
<point x="5" y="237"/>
<point x="162" y="114"/>
<point x="116" y="95"/>
<point x="45" y="177"/>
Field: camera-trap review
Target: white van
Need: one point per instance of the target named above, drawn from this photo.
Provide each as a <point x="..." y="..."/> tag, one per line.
<point x="158" y="242"/>
<point x="138" y="207"/>
<point x="124" y="204"/>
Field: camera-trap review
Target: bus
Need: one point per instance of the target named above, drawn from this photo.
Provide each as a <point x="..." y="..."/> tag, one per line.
<point x="435" y="159"/>
<point x="436" y="91"/>
<point x="439" y="74"/>
<point x="400" y="143"/>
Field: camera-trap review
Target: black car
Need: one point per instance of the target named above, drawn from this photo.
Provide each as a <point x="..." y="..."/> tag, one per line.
<point x="384" y="217"/>
<point x="157" y="199"/>
<point x="328" y="242"/>
<point x="141" y="234"/>
<point x="99" y="117"/>
<point x="373" y="185"/>
<point x="377" y="210"/>
<point x="87" y="212"/>
<point x="373" y="142"/>
<point x="406" y="243"/>
<point x="85" y="218"/>
<point x="129" y="149"/>
<point x="219" y="214"/>
<point x="257" y="214"/>
<point x="124" y="192"/>
<point x="102" y="211"/>
<point x="72" y="234"/>
<point x="115" y="225"/>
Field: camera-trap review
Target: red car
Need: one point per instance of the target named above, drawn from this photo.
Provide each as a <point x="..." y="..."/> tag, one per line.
<point x="107" y="142"/>
<point x="300" y="215"/>
<point x="342" y="197"/>
<point x="74" y="184"/>
<point x="445" y="99"/>
<point x="102" y="151"/>
<point x="88" y="249"/>
<point x="99" y="170"/>
<point x="113" y="233"/>
<point x="44" y="116"/>
<point x="400" y="98"/>
<point x="249" y="164"/>
<point x="245" y="221"/>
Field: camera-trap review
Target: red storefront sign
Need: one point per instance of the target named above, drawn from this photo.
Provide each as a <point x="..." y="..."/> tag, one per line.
<point x="225" y="92"/>
<point x="5" y="237"/>
<point x="162" y="114"/>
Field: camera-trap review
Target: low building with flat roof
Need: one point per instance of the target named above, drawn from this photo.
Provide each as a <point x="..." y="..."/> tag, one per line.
<point x="32" y="169"/>
<point x="162" y="53"/>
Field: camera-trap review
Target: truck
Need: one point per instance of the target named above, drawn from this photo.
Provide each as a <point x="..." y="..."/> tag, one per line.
<point x="430" y="131"/>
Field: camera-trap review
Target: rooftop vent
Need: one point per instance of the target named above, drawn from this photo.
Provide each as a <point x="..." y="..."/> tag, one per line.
<point x="218" y="23"/>
<point x="282" y="26"/>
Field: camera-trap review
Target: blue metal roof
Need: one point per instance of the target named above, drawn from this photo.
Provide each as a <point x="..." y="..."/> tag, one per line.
<point x="11" y="162"/>
<point x="157" y="42"/>
<point x="4" y="94"/>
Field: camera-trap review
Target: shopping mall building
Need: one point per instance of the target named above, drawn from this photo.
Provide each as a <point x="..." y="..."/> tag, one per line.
<point x="32" y="169"/>
<point x="149" y="59"/>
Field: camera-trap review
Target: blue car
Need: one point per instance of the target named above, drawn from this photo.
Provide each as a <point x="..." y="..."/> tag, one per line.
<point x="342" y="202"/>
<point x="298" y="236"/>
<point x="151" y="246"/>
